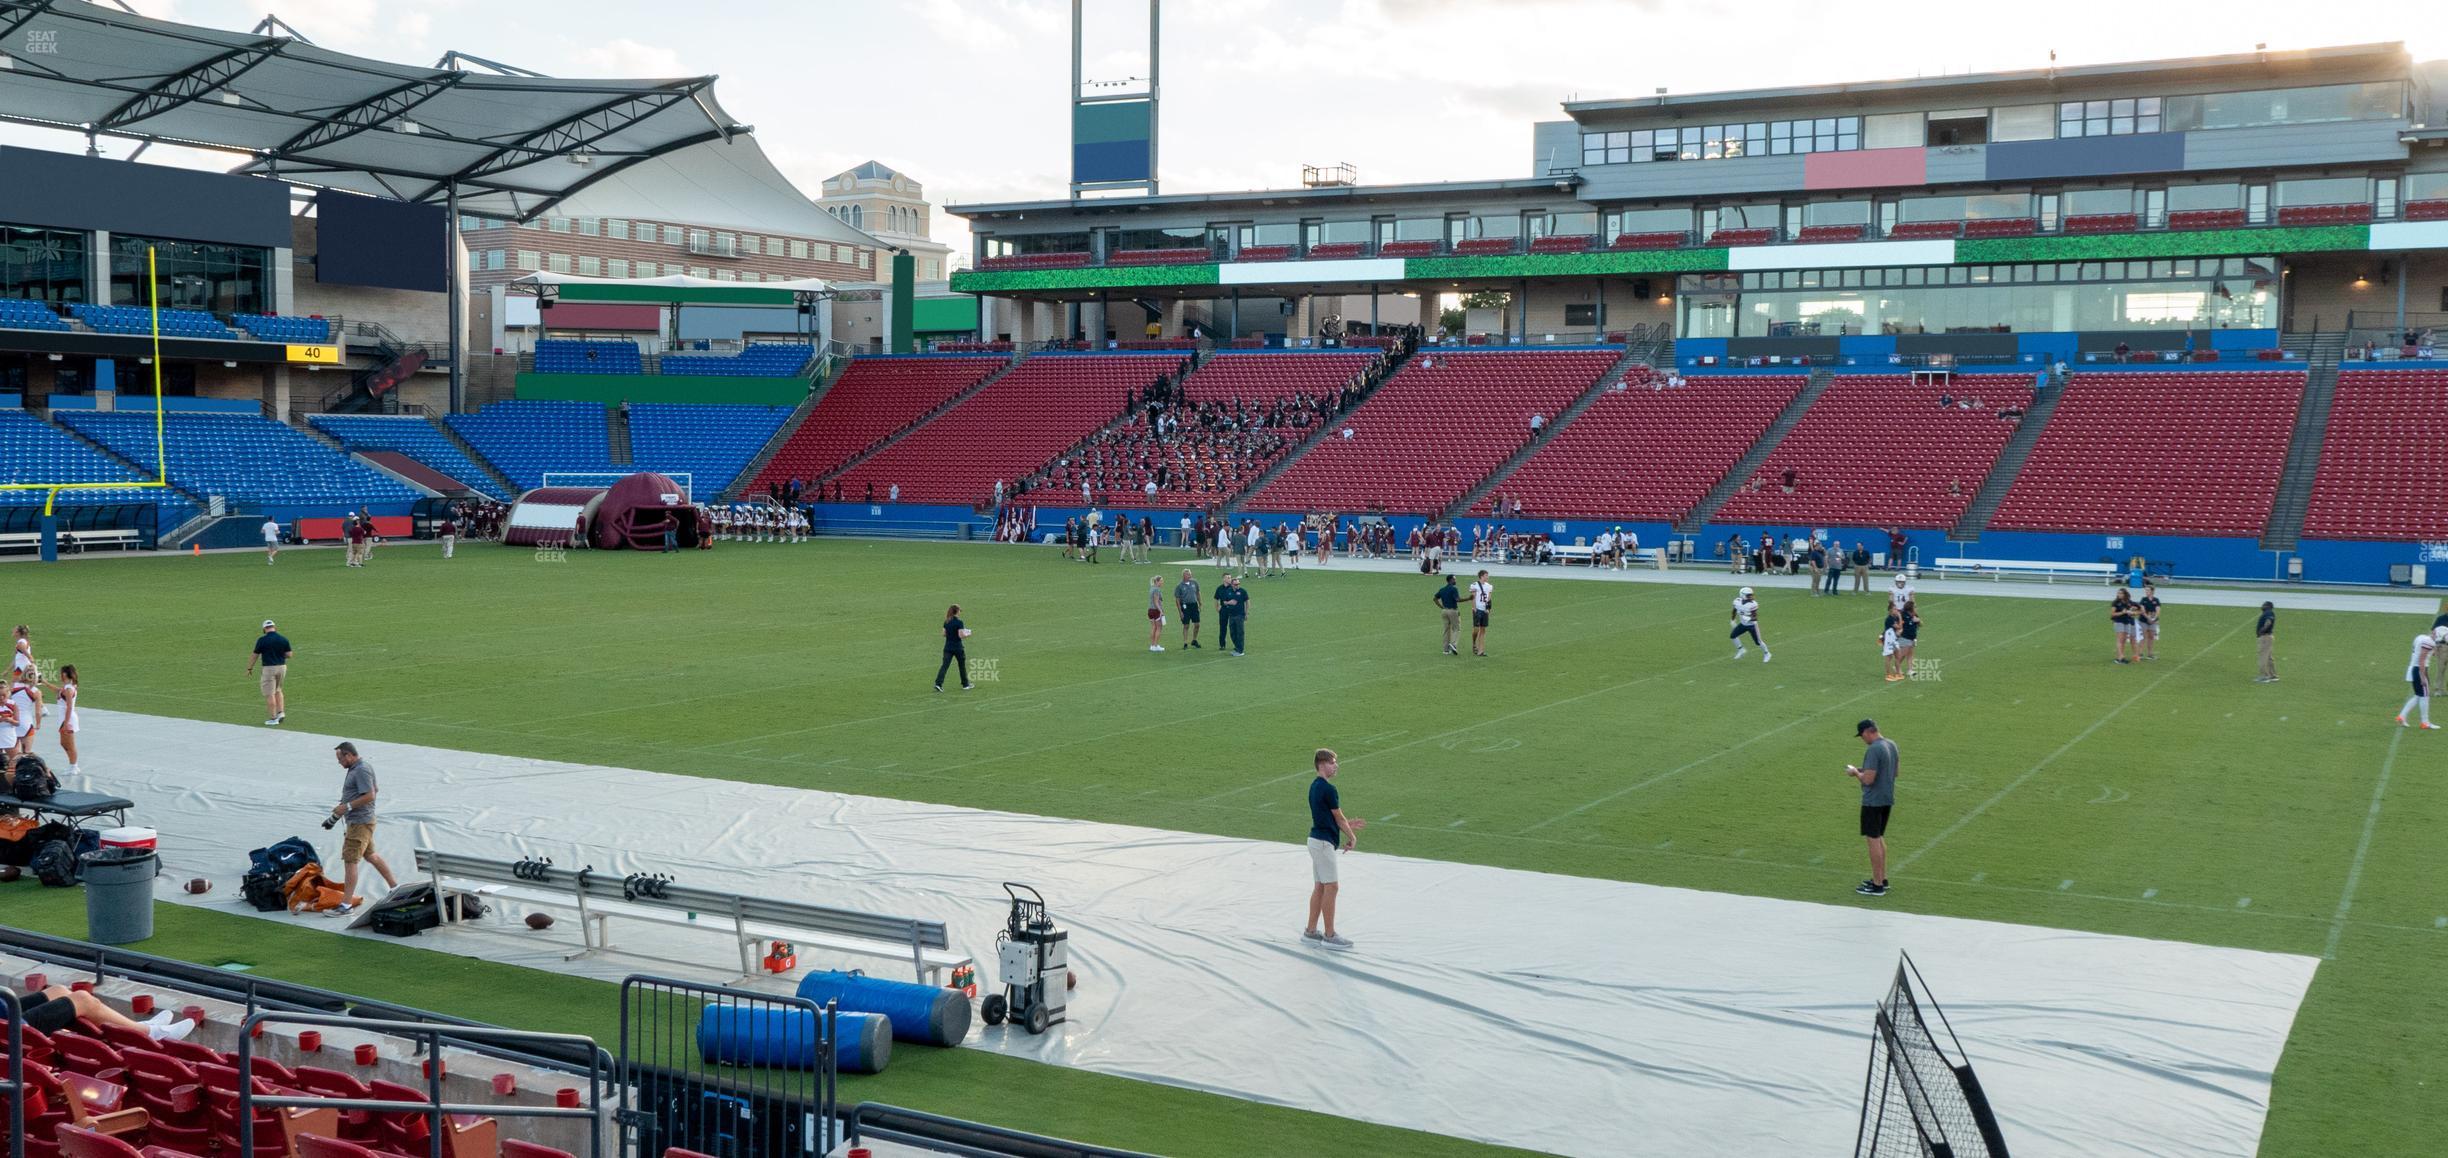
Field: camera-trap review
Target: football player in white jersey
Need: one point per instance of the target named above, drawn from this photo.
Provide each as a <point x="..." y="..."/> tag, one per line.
<point x="1901" y="593"/>
<point x="2418" y="673"/>
<point x="1746" y="622"/>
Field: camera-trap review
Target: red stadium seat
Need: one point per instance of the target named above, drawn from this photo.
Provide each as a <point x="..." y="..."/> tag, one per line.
<point x="1650" y="241"/>
<point x="2206" y="219"/>
<point x="2180" y="452"/>
<point x="2001" y="227"/>
<point x="2384" y="461"/>
<point x="1010" y="428"/>
<point x="2103" y="223"/>
<point x="1563" y="243"/>
<point x="1818" y="233"/>
<point x="1407" y="249"/>
<point x="1265" y="253"/>
<point x="1930" y="459"/>
<point x="2324" y="214"/>
<point x="1924" y="230"/>
<point x="2426" y="210"/>
<point x="1333" y="250"/>
<point x="1650" y="454"/>
<point x="1486" y="246"/>
<point x="872" y="399"/>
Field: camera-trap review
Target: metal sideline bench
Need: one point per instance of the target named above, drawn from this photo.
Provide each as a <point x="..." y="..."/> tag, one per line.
<point x="1995" y="569"/>
<point x="122" y="537"/>
<point x="73" y="809"/>
<point x="599" y="896"/>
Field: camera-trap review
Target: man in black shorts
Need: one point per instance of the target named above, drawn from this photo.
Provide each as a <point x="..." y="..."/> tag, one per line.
<point x="58" y="1007"/>
<point x="1186" y="600"/>
<point x="1877" y="774"/>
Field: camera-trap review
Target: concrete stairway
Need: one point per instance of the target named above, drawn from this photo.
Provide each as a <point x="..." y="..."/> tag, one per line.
<point x="491" y="472"/>
<point x="1635" y="356"/>
<point x="1759" y="452"/>
<point x="2322" y="352"/>
<point x="1325" y="430"/>
<point x="939" y="411"/>
<point x="2007" y="468"/>
<point x="781" y="436"/>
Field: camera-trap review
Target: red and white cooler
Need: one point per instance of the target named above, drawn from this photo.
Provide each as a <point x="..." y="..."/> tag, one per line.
<point x="144" y="838"/>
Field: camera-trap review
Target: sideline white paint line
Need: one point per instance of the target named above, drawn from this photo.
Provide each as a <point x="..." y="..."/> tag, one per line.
<point x="2354" y="870"/>
<point x="1984" y="806"/>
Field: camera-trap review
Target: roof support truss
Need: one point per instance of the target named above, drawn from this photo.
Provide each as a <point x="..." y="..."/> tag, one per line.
<point x="370" y="113"/>
<point x="572" y="134"/>
<point x="190" y="84"/>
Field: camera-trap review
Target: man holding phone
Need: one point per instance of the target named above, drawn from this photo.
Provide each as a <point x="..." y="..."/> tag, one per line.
<point x="1877" y="775"/>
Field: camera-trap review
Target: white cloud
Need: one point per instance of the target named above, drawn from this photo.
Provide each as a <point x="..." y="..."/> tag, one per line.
<point x="624" y="57"/>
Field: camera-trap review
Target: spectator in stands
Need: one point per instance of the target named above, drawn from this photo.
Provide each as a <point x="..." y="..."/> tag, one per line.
<point x="271" y="653"/>
<point x="1538" y="422"/>
<point x="1955" y="486"/>
<point x="357" y="792"/>
<point x="870" y="494"/>
<point x="894" y="495"/>
<point x="1789" y="478"/>
<point x="2123" y="352"/>
<point x="271" y="540"/>
<point x="1896" y="543"/>
<point x="1946" y="401"/>
<point x="58" y="1008"/>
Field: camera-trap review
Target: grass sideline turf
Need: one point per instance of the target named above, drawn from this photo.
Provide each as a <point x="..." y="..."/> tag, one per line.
<point x="1608" y="735"/>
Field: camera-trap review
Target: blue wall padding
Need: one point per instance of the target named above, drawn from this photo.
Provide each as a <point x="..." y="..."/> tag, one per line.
<point x="924" y="1014"/>
<point x="786" y="1039"/>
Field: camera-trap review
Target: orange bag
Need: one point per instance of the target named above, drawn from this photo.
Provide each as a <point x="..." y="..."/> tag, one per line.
<point x="309" y="891"/>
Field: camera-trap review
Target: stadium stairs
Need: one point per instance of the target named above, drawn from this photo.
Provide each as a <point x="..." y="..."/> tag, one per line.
<point x="493" y="474"/>
<point x="1632" y="356"/>
<point x="616" y="431"/>
<point x="1751" y="460"/>
<point x="2322" y="353"/>
<point x="781" y="437"/>
<point x="2009" y="464"/>
<point x="130" y="465"/>
<point x="1385" y="374"/>
<point x="490" y="378"/>
<point x="939" y="410"/>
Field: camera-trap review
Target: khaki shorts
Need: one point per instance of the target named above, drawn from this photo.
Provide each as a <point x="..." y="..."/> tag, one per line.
<point x="271" y="678"/>
<point x="1322" y="859"/>
<point x="358" y="841"/>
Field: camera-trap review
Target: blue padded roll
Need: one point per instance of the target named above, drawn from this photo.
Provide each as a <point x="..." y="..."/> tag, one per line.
<point x="921" y="1013"/>
<point x="786" y="1039"/>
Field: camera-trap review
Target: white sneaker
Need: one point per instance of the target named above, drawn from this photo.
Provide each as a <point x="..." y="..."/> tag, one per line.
<point x="1155" y="647"/>
<point x="1765" y="656"/>
<point x="73" y="770"/>
<point x="168" y="1026"/>
<point x="1337" y="941"/>
<point x="1741" y="652"/>
<point x="274" y="722"/>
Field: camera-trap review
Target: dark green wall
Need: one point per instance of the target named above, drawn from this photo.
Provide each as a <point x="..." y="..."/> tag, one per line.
<point x="661" y="388"/>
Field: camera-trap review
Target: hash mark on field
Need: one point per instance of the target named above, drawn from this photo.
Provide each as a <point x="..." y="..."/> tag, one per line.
<point x="1458" y="823"/>
<point x="2243" y="902"/>
<point x="2439" y="923"/>
<point x="1979" y="877"/>
<point x="1265" y="804"/>
<point x="2064" y="885"/>
<point x="1741" y="853"/>
<point x="1821" y="858"/>
<point x="1663" y="845"/>
<point x="2149" y="893"/>
<point x="1389" y="816"/>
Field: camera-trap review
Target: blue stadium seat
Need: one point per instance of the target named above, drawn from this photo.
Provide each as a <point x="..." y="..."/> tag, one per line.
<point x="414" y="437"/>
<point x="712" y="444"/>
<point x="244" y="457"/>
<point x="139" y="320"/>
<point x="572" y="356"/>
<point x="527" y="439"/>
<point x="759" y="360"/>
<point x="285" y="330"/>
<point x="20" y="314"/>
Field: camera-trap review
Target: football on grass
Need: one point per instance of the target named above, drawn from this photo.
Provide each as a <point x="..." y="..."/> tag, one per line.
<point x="198" y="885"/>
<point x="539" y="920"/>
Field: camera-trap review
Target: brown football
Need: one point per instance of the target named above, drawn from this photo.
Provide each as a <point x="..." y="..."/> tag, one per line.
<point x="199" y="885"/>
<point x="10" y="872"/>
<point x="539" y="920"/>
<point x="1070" y="979"/>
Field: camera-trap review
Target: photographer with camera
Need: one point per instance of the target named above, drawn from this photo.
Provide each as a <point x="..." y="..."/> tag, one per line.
<point x="356" y="806"/>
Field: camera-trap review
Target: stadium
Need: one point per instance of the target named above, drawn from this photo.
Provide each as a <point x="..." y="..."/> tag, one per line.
<point x="667" y="483"/>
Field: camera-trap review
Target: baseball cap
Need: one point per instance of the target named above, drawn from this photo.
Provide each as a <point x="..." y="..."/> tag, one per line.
<point x="267" y="625"/>
<point x="1865" y="726"/>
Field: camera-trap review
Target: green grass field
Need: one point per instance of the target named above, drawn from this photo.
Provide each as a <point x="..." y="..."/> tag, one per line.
<point x="1608" y="736"/>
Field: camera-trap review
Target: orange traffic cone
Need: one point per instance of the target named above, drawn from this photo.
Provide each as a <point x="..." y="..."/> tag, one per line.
<point x="199" y="550"/>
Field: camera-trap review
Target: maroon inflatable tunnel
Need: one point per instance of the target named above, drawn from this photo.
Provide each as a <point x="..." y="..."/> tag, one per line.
<point x="637" y="511"/>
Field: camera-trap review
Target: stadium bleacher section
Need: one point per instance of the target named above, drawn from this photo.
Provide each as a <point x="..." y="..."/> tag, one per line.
<point x="871" y="399"/>
<point x="139" y="320"/>
<point x="285" y="330"/>
<point x="20" y="314"/>
<point x="1435" y="429"/>
<point x="244" y="457"/>
<point x="2182" y="452"/>
<point x="1878" y="450"/>
<point x="711" y="444"/>
<point x="1234" y="417"/>
<point x="34" y="451"/>
<point x="758" y="360"/>
<point x="2384" y="462"/>
<point x="411" y="436"/>
<point x="1009" y="428"/>
<point x="524" y="439"/>
<point x="1650" y="453"/>
<point x="578" y="356"/>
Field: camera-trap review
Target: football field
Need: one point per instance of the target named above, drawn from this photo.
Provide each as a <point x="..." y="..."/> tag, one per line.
<point x="1608" y="735"/>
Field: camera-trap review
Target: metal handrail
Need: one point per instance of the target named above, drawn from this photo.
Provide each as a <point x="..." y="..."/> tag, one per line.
<point x="938" y="1133"/>
<point x="599" y="1070"/>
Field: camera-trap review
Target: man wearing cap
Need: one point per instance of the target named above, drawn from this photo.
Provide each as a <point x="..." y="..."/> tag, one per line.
<point x="356" y="806"/>
<point x="1877" y="774"/>
<point x="272" y="651"/>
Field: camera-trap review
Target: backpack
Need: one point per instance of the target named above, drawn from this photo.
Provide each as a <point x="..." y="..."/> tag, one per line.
<point x="282" y="859"/>
<point x="263" y="890"/>
<point x="55" y="866"/>
<point x="32" y="779"/>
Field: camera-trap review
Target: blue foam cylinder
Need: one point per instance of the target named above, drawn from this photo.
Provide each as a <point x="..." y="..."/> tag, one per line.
<point x="919" y="1013"/>
<point x="786" y="1039"/>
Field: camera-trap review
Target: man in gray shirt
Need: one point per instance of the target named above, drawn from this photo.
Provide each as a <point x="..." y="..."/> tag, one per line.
<point x="1877" y="774"/>
<point x="357" y="791"/>
<point x="1186" y="600"/>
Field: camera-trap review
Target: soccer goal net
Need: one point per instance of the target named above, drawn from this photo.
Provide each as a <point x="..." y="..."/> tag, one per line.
<point x="603" y="480"/>
<point x="1921" y="1099"/>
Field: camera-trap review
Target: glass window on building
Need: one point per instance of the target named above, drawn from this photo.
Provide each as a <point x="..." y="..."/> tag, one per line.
<point x="616" y="227"/>
<point x="2257" y="204"/>
<point x="193" y="275"/>
<point x="2154" y="208"/>
<point x="556" y="225"/>
<point x="2426" y="186"/>
<point x="798" y="249"/>
<point x="2092" y="202"/>
<point x="590" y="265"/>
<point x="1343" y="232"/>
<point x="1180" y="237"/>
<point x="648" y="232"/>
<point x="2384" y="196"/>
<point x="1568" y="223"/>
<point x="1622" y="221"/>
<point x="1491" y="225"/>
<point x="557" y="262"/>
<point x="530" y="259"/>
<point x="45" y="265"/>
<point x="863" y="257"/>
<point x="2214" y="195"/>
<point x="1996" y="299"/>
<point x="1966" y="207"/>
<point x="2022" y="123"/>
<point x="589" y="227"/>
<point x="1271" y="233"/>
<point x="1892" y="131"/>
<point x="2324" y="191"/>
<point x="493" y="259"/>
<point x="1836" y="213"/>
<point x="616" y="267"/>
<point x="2317" y="104"/>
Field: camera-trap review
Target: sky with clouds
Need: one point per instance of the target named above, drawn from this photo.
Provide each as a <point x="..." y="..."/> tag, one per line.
<point x="968" y="96"/>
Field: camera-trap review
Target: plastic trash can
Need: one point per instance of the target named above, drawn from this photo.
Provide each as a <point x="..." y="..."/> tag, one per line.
<point x="119" y="894"/>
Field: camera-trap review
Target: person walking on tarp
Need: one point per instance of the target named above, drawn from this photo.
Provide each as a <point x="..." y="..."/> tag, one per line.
<point x="356" y="806"/>
<point x="954" y="650"/>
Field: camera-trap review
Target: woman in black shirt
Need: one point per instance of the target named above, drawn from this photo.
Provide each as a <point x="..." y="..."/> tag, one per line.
<point x="954" y="632"/>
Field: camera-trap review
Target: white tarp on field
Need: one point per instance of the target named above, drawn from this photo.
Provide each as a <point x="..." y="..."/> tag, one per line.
<point x="1564" y="1014"/>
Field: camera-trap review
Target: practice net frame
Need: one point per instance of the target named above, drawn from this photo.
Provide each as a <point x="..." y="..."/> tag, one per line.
<point x="1921" y="1099"/>
<point x="603" y="480"/>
